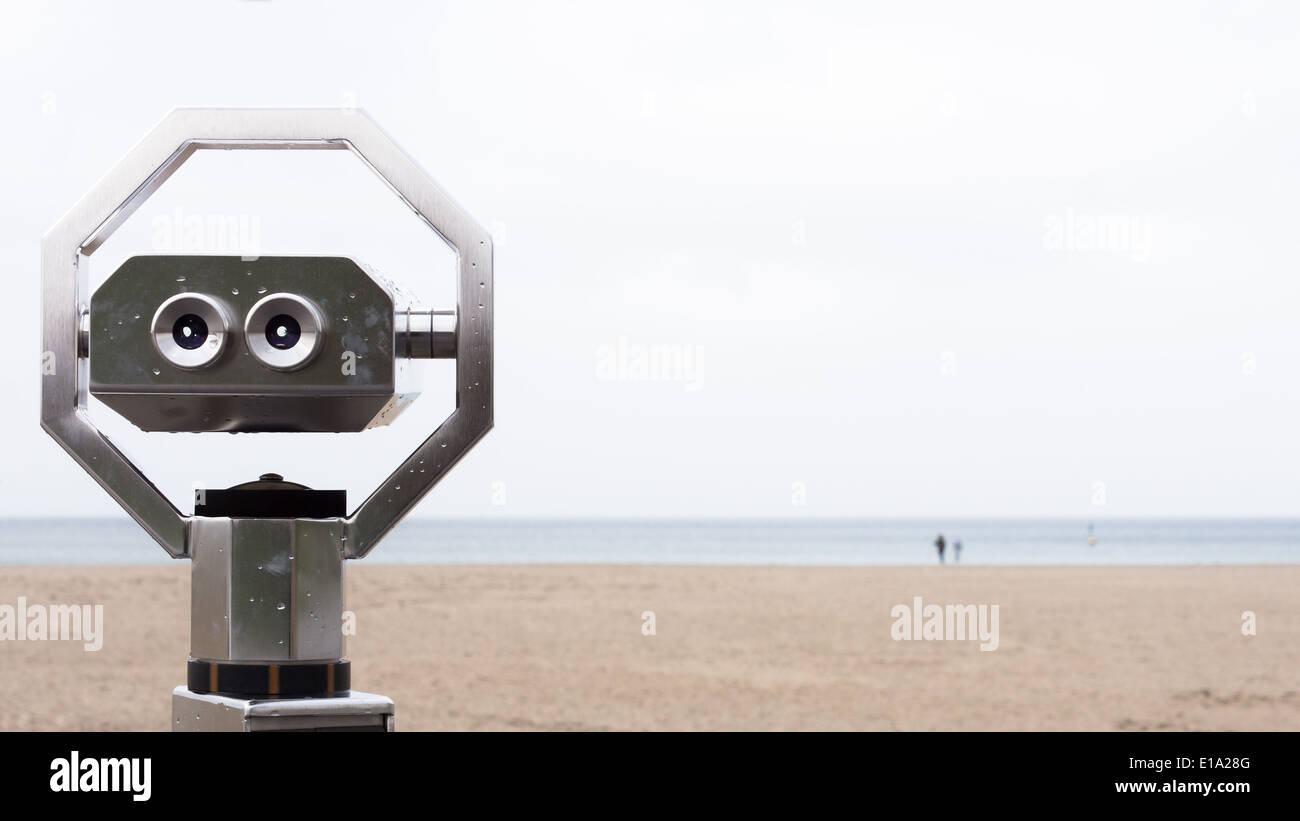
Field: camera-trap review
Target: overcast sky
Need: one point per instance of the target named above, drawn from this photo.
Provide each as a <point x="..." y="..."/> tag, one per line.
<point x="924" y="259"/>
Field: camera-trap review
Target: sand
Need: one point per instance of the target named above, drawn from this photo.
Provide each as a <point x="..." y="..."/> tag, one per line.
<point x="562" y="648"/>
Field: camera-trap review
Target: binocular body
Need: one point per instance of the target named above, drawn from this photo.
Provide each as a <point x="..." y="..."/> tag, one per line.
<point x="227" y="343"/>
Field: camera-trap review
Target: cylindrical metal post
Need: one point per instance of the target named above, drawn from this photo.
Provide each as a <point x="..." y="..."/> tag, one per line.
<point x="425" y="333"/>
<point x="266" y="607"/>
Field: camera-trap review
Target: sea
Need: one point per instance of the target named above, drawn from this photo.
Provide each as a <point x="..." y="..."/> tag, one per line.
<point x="120" y="541"/>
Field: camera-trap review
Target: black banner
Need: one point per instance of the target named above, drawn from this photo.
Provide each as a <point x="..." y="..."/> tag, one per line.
<point x="1222" y="772"/>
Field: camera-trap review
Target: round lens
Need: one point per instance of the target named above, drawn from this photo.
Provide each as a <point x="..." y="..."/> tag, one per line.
<point x="283" y="332"/>
<point x="190" y="331"/>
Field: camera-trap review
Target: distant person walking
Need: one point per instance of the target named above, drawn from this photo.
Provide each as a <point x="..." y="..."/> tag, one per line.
<point x="939" y="546"/>
<point x="956" y="551"/>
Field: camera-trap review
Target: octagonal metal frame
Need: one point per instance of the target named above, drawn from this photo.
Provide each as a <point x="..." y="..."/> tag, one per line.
<point x="114" y="198"/>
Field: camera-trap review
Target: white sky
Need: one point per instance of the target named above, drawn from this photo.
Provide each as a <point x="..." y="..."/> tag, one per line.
<point x="866" y="229"/>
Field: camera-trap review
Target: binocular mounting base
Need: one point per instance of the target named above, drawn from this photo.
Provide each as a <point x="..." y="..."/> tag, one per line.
<point x="207" y="712"/>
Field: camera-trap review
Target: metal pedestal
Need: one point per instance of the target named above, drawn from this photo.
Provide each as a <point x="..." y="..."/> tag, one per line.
<point x="355" y="712"/>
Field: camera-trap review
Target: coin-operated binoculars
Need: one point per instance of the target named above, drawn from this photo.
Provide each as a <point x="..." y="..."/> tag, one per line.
<point x="287" y="344"/>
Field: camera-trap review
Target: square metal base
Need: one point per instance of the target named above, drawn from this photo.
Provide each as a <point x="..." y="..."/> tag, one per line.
<point x="355" y="712"/>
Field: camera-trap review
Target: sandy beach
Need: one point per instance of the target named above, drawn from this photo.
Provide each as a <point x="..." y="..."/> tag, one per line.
<point x="552" y="647"/>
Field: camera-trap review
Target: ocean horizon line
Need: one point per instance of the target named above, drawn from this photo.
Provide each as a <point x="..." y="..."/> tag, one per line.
<point x="806" y="541"/>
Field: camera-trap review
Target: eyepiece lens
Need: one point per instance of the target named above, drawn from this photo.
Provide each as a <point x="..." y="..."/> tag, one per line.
<point x="283" y="332"/>
<point x="190" y="331"/>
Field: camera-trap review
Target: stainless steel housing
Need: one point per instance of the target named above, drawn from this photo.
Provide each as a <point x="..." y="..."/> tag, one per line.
<point x="266" y="589"/>
<point x="340" y="375"/>
<point x="65" y="297"/>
